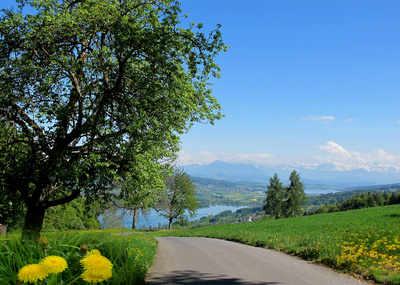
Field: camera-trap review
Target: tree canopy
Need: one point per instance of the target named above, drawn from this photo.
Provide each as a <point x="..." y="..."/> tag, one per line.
<point x="11" y="203"/>
<point x="142" y="185"/>
<point x="275" y="194"/>
<point x="295" y="196"/>
<point x="179" y="198"/>
<point x="90" y="85"/>
<point x="285" y="202"/>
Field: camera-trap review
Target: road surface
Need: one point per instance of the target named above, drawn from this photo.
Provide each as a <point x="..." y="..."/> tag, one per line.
<point x="189" y="260"/>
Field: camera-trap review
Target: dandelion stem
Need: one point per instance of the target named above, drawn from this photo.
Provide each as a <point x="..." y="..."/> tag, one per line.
<point x="73" y="281"/>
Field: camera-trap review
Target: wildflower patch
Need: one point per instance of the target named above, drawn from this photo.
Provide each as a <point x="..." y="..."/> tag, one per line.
<point x="370" y="253"/>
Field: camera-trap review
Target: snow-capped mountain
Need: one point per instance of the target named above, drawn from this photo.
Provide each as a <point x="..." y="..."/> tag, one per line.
<point x="321" y="174"/>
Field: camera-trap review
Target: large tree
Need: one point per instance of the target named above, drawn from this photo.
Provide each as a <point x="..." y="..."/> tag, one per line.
<point x="179" y="198"/>
<point x="294" y="196"/>
<point x="275" y="194"/>
<point x="91" y="85"/>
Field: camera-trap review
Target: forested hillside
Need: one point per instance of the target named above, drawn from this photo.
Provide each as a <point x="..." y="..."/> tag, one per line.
<point x="360" y="201"/>
<point x="315" y="201"/>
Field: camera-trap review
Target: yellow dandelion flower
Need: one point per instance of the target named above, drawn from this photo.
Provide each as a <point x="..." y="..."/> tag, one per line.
<point x="54" y="264"/>
<point x="94" y="252"/>
<point x="32" y="273"/>
<point x="96" y="264"/>
<point x="91" y="277"/>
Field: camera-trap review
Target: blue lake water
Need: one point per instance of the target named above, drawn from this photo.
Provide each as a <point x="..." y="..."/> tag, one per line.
<point x="312" y="191"/>
<point x="153" y="219"/>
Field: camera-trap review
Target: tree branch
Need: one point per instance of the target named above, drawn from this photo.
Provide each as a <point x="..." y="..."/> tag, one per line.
<point x="75" y="194"/>
<point x="21" y="118"/>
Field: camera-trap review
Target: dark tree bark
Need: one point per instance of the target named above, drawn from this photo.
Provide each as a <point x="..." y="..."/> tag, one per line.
<point x="135" y="214"/>
<point x="33" y="221"/>
<point x="170" y="223"/>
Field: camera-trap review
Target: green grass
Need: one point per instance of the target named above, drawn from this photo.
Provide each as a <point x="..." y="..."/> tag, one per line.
<point x="365" y="242"/>
<point x="342" y="240"/>
<point x="131" y="255"/>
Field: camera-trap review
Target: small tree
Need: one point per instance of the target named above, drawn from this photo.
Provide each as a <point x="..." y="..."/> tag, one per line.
<point x="394" y="199"/>
<point x="380" y="201"/>
<point x="275" y="192"/>
<point x="370" y="200"/>
<point x="294" y="196"/>
<point x="142" y="184"/>
<point x="180" y="197"/>
<point x="112" y="218"/>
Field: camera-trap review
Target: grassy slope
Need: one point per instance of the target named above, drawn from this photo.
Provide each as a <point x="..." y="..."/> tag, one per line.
<point x="365" y="241"/>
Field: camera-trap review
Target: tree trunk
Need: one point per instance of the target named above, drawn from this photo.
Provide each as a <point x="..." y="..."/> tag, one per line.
<point x="33" y="222"/>
<point x="170" y="224"/>
<point x="135" y="214"/>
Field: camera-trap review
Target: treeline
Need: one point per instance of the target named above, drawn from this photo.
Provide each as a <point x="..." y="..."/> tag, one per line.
<point x="315" y="201"/>
<point x="360" y="201"/>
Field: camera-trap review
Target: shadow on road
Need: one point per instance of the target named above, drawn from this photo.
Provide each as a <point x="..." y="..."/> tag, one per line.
<point x="197" y="278"/>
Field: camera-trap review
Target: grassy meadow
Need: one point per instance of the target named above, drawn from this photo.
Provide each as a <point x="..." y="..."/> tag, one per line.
<point x="130" y="254"/>
<point x="363" y="242"/>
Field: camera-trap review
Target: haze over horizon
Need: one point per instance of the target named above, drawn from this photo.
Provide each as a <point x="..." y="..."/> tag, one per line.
<point x="305" y="83"/>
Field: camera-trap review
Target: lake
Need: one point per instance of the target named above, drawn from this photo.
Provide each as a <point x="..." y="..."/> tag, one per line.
<point x="316" y="191"/>
<point x="152" y="218"/>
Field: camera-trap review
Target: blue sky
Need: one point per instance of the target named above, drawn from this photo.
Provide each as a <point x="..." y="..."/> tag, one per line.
<point x="304" y="83"/>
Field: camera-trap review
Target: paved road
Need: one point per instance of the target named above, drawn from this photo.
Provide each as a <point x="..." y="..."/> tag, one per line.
<point x="191" y="260"/>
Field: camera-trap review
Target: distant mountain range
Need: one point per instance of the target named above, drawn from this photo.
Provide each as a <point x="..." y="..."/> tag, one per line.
<point x="321" y="175"/>
<point x="228" y="171"/>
